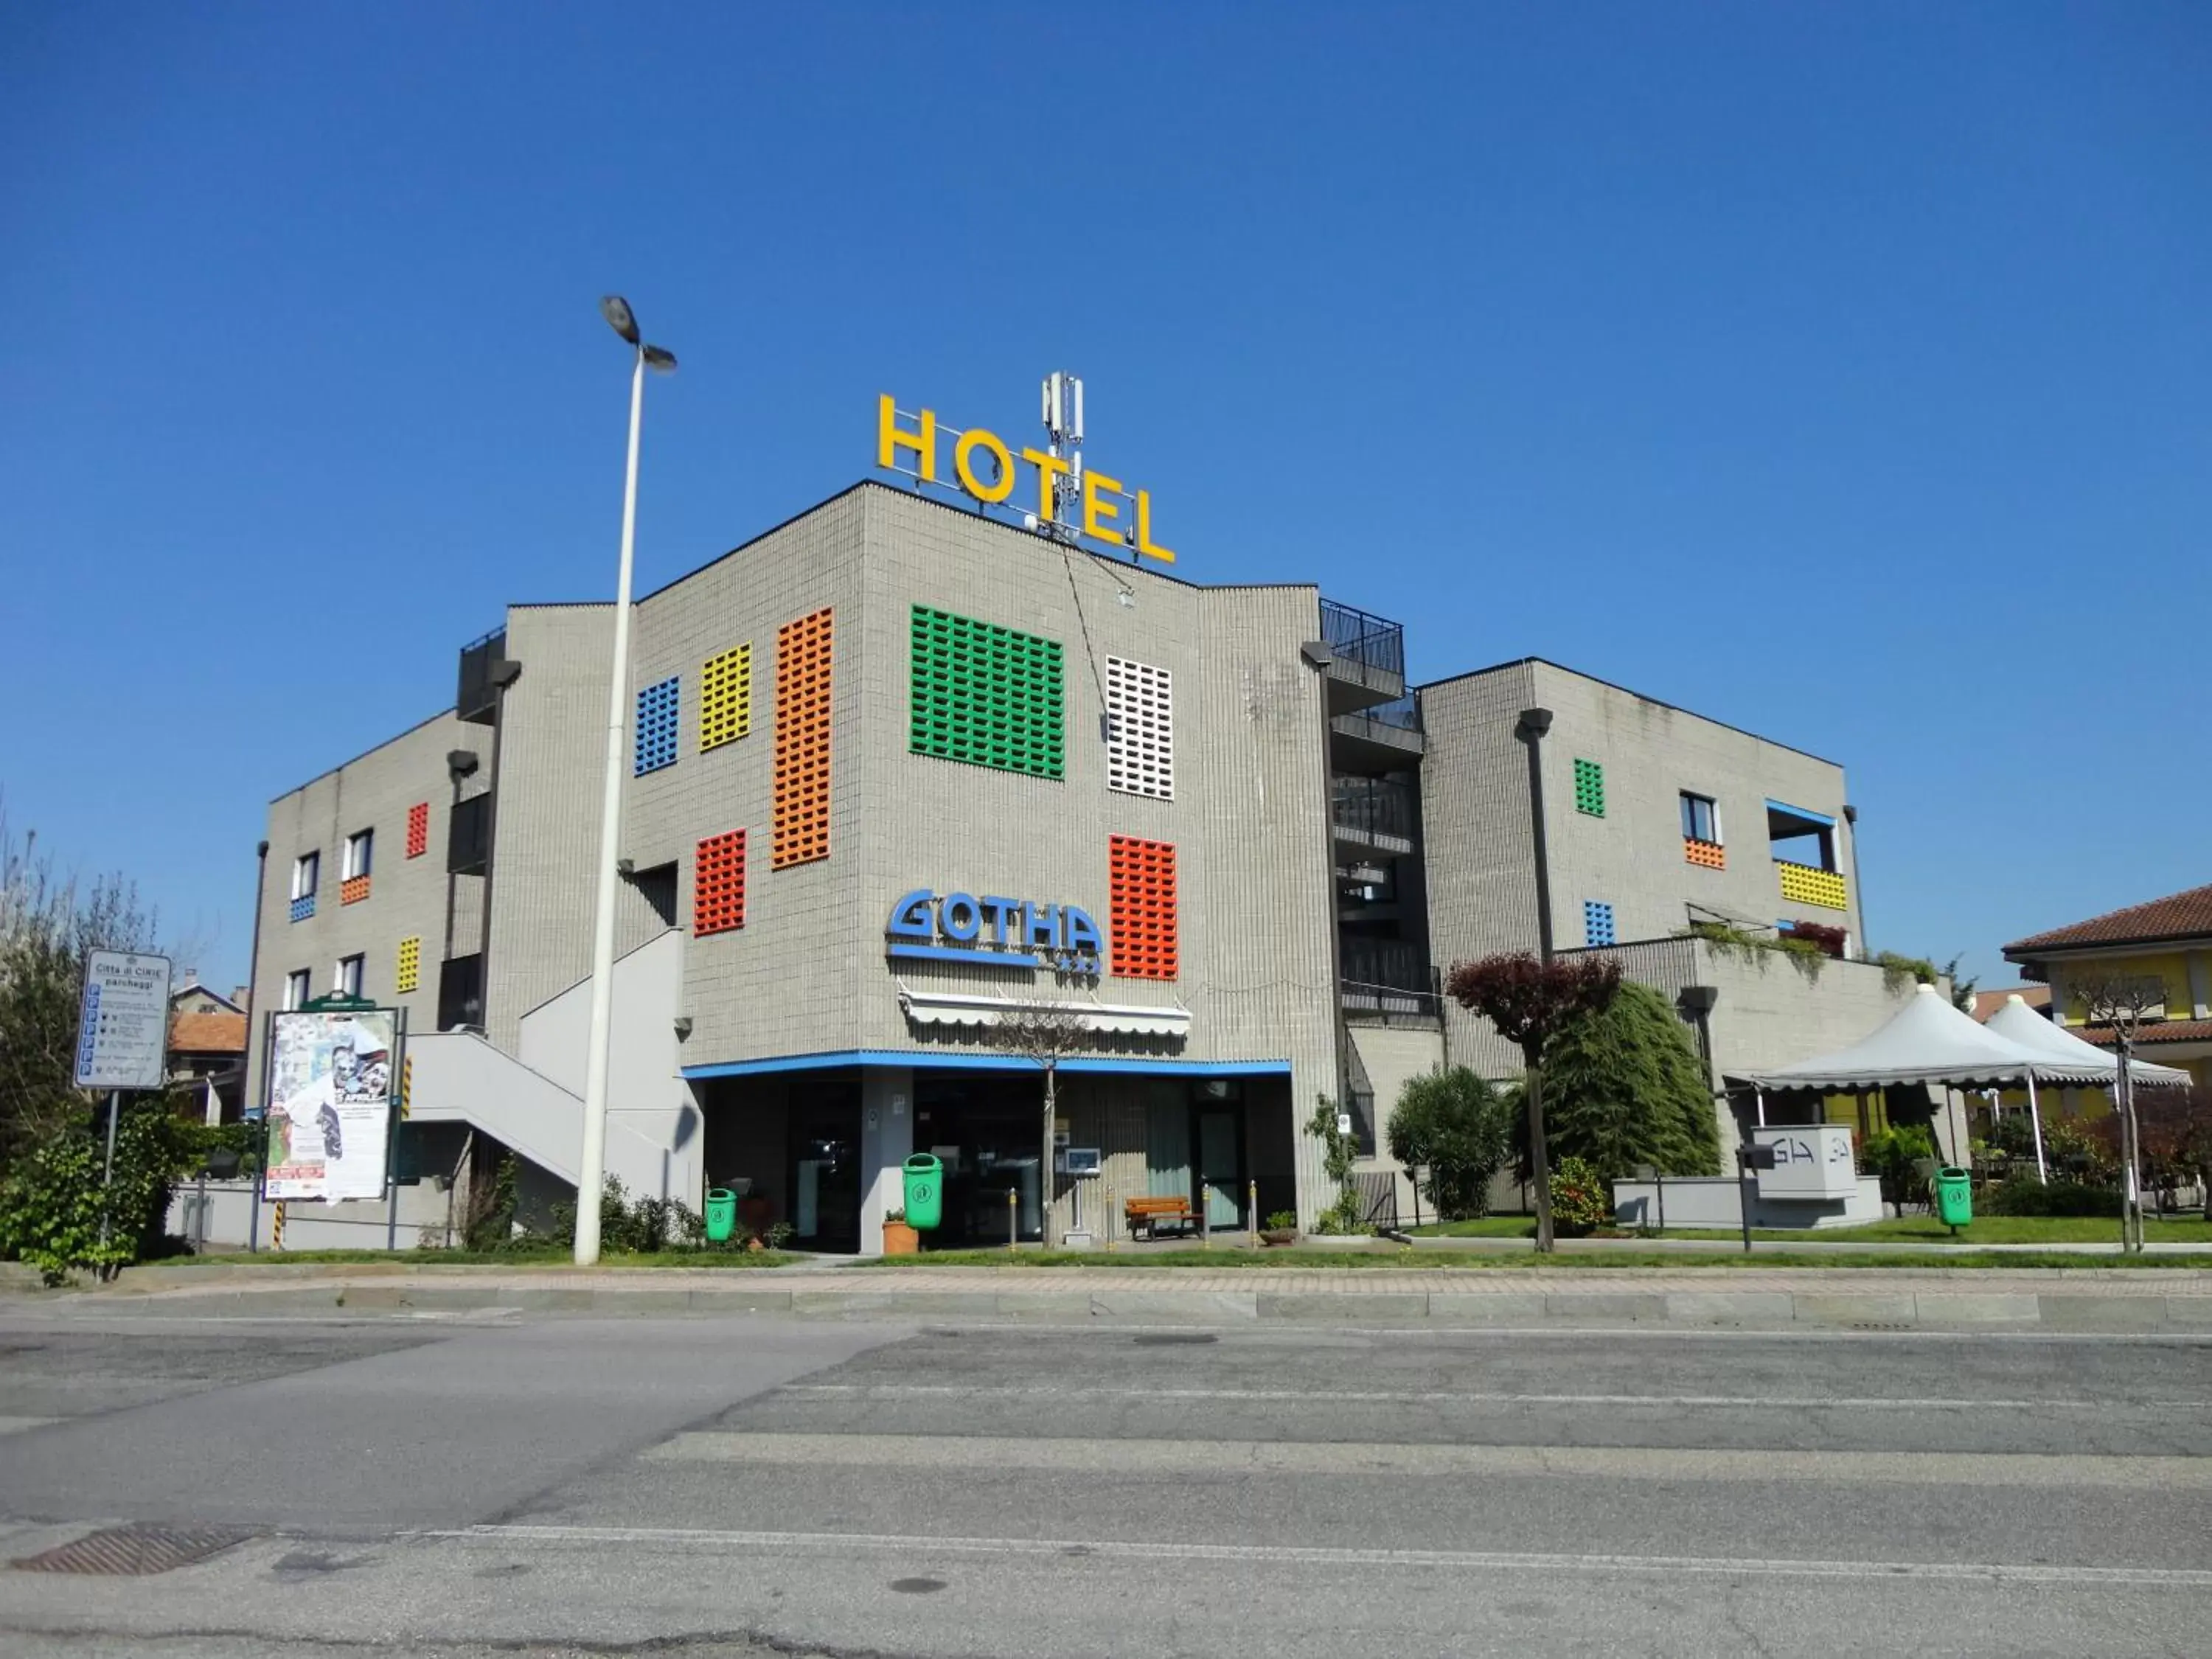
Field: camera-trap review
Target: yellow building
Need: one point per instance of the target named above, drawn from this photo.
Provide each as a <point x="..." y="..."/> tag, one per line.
<point x="2165" y="946"/>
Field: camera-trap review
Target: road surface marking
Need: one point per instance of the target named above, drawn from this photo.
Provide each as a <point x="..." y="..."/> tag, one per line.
<point x="1452" y="1396"/>
<point x="1351" y="1457"/>
<point x="1314" y="1555"/>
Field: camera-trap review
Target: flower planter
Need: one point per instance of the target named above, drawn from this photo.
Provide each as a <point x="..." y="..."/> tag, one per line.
<point x="1279" y="1235"/>
<point x="899" y="1239"/>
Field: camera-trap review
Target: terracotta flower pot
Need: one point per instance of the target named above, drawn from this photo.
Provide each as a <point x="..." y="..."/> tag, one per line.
<point x="899" y="1239"/>
<point x="1279" y="1235"/>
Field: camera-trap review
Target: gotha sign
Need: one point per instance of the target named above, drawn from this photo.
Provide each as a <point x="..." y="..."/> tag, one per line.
<point x="961" y="927"/>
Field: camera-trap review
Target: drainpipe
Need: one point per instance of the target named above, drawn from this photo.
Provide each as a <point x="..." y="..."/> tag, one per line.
<point x="1697" y="1002"/>
<point x="1534" y="723"/>
<point x="1858" y="880"/>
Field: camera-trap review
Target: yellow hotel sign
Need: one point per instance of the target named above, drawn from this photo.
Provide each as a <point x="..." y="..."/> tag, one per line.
<point x="992" y="481"/>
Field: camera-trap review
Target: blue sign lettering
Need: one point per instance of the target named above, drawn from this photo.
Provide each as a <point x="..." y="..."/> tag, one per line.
<point x="961" y="927"/>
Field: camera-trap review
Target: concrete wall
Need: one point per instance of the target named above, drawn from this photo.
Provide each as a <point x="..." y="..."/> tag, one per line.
<point x="651" y="1119"/>
<point x="1717" y="1201"/>
<point x="406" y="896"/>
<point x="1633" y="858"/>
<point x="1393" y="1056"/>
<point x="221" y="1217"/>
<point x="552" y="754"/>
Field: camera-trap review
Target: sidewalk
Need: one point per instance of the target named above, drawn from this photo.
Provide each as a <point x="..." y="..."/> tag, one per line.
<point x="2086" y="1299"/>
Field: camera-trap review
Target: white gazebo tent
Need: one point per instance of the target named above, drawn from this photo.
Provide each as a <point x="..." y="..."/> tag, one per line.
<point x="1928" y="1041"/>
<point x="2030" y="1030"/>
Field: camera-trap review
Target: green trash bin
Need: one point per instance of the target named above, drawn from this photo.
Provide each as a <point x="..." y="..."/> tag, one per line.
<point x="925" y="1191"/>
<point x="1954" y="1197"/>
<point x="721" y="1214"/>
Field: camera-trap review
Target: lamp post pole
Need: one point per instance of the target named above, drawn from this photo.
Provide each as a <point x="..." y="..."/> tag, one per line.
<point x="591" y="1159"/>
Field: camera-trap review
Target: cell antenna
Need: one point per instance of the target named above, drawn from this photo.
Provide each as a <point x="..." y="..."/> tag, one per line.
<point x="1063" y="424"/>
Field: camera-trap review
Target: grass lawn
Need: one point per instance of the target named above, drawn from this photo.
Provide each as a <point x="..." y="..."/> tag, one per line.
<point x="409" y="1259"/>
<point x="1984" y="1230"/>
<point x="1490" y="1226"/>
<point x="1598" y="1261"/>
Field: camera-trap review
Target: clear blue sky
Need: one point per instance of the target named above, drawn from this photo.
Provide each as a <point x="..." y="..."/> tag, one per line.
<point x="1842" y="372"/>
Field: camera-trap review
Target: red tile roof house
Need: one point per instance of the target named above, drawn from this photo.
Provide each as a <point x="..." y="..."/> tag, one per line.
<point x="2165" y="945"/>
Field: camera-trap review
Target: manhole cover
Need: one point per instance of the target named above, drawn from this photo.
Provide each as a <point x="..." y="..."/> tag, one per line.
<point x="126" y="1551"/>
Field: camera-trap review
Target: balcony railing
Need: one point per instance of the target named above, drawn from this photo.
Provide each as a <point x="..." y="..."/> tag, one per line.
<point x="1393" y="964"/>
<point x="477" y="697"/>
<point x="1370" y="641"/>
<point x="1374" y="806"/>
<point x="468" y="836"/>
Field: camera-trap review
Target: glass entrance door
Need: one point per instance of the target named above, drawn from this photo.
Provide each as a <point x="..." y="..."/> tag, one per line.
<point x="1221" y="1164"/>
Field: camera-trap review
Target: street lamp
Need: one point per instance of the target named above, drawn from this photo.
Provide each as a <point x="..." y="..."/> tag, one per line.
<point x="592" y="1161"/>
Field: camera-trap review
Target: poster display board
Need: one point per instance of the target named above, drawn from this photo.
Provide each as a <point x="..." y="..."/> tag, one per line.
<point x="330" y="1104"/>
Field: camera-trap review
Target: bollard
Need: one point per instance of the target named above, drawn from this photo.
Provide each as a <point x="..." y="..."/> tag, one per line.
<point x="1108" y="1225"/>
<point x="1013" y="1219"/>
<point x="1205" y="1217"/>
<point x="277" y="1228"/>
<point x="1252" y="1210"/>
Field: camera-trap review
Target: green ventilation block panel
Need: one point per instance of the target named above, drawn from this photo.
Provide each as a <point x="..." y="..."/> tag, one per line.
<point x="986" y="695"/>
<point x="1589" y="788"/>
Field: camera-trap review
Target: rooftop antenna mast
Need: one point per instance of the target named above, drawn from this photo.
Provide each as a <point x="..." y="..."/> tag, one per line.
<point x="1063" y="425"/>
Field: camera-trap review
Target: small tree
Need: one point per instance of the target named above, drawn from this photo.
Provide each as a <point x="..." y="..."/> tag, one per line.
<point x="1530" y="1002"/>
<point x="1624" y="1085"/>
<point x="1459" y="1127"/>
<point x="2121" y="1001"/>
<point x="1042" y="1033"/>
<point x="1339" y="1150"/>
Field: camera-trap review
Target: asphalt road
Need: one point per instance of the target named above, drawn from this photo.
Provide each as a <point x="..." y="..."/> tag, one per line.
<point x="747" y="1487"/>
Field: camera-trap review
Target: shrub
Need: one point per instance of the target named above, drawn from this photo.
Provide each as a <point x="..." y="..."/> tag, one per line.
<point x="1624" y="1086"/>
<point x="1582" y="1200"/>
<point x="2023" y="1194"/>
<point x="1894" y="1155"/>
<point x="52" y="1200"/>
<point x="1458" y="1127"/>
<point x="1283" y="1221"/>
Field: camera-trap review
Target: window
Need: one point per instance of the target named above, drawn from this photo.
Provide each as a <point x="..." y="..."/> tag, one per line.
<point x="1802" y="837"/>
<point x="1597" y="923"/>
<point x="1701" y="818"/>
<point x="307" y="870"/>
<point x="656" y="726"/>
<point x="297" y="988"/>
<point x="1589" y="788"/>
<point x="358" y="847"/>
<point x="1140" y="729"/>
<point x="1804" y="848"/>
<point x="986" y="695"/>
<point x="347" y="980"/>
<point x="407" y="972"/>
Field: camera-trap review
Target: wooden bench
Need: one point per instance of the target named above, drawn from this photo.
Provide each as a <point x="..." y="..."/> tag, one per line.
<point x="1149" y="1212"/>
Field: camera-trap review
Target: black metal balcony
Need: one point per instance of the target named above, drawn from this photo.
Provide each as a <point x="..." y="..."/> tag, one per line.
<point x="1367" y="656"/>
<point x="460" y="993"/>
<point x="1374" y="813"/>
<point x="481" y="663"/>
<point x="1394" y="965"/>
<point x="1384" y="738"/>
<point x="468" y="836"/>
